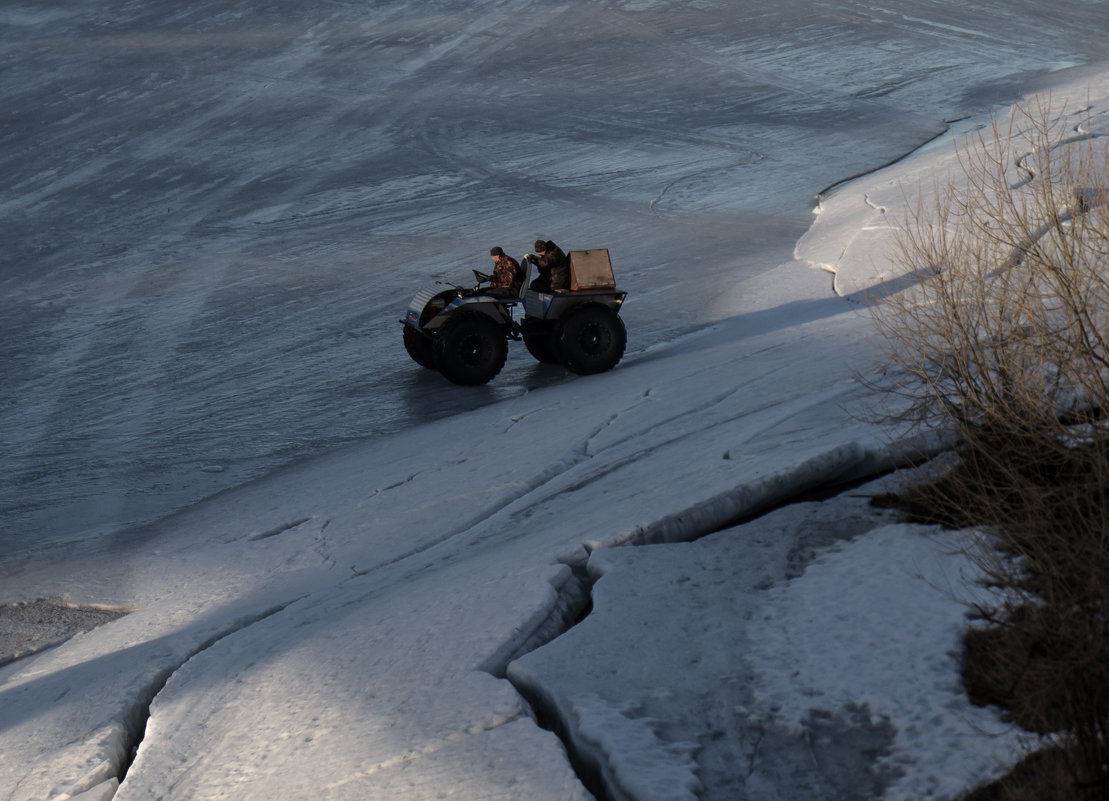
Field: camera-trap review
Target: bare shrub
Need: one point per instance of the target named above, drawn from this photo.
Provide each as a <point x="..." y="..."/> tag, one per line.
<point x="1003" y="343"/>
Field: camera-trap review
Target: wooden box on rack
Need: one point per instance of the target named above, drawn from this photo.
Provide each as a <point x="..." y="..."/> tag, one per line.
<point x="591" y="269"/>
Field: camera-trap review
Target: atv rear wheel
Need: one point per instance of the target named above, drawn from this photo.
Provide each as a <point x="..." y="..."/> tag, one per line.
<point x="470" y="349"/>
<point x="418" y="344"/>
<point x="592" y="340"/>
<point x="541" y="340"/>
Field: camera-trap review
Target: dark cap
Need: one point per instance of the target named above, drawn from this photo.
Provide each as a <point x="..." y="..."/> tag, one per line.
<point x="496" y="252"/>
<point x="540" y="245"/>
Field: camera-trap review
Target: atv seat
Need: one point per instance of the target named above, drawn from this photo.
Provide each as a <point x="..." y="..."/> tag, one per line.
<point x="525" y="265"/>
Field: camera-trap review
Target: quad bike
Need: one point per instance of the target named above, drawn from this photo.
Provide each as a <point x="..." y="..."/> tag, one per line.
<point x="463" y="332"/>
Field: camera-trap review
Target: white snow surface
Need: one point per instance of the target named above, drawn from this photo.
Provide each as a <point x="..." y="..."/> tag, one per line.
<point x="362" y="625"/>
<point x="888" y="645"/>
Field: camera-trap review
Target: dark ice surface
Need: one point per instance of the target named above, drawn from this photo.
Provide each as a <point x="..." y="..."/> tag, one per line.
<point x="214" y="213"/>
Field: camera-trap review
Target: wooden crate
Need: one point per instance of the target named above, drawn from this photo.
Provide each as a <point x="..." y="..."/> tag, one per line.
<point x="591" y="269"/>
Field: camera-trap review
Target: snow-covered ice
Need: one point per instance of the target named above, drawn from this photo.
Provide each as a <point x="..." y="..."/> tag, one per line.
<point x="602" y="564"/>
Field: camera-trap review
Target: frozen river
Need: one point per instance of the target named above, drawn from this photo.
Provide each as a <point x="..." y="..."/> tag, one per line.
<point x="214" y="213"/>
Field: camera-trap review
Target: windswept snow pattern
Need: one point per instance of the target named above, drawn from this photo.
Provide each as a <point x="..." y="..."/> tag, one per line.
<point x="213" y="216"/>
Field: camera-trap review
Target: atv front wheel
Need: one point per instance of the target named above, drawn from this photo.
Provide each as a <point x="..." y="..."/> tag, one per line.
<point x="470" y="349"/>
<point x="592" y="340"/>
<point x="418" y="345"/>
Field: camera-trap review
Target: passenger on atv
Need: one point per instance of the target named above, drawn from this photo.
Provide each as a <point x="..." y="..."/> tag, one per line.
<point x="553" y="265"/>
